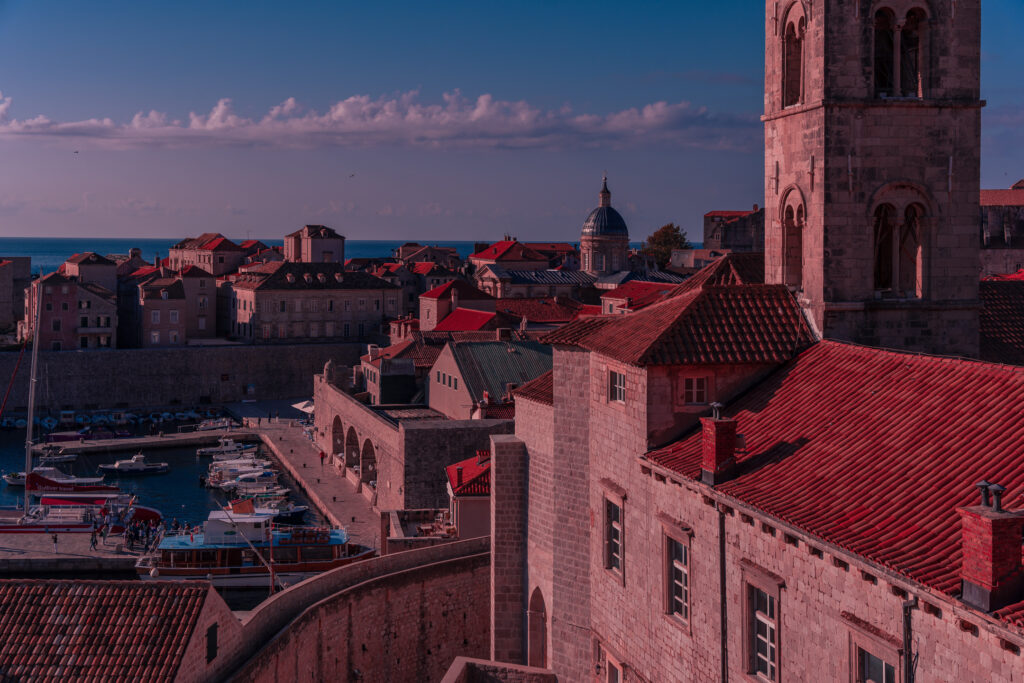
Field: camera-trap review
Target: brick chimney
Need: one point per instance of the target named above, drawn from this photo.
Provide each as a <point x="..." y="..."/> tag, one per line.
<point x="718" y="453"/>
<point x="990" y="540"/>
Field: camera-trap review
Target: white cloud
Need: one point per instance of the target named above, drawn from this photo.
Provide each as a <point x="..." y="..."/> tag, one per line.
<point x="402" y="119"/>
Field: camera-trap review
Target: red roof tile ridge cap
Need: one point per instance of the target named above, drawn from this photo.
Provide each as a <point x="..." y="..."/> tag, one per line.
<point x="923" y="355"/>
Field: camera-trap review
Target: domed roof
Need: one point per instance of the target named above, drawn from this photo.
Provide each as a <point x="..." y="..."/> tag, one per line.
<point x="605" y="221"/>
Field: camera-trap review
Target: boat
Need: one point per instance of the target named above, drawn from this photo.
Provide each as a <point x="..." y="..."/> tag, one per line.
<point x="283" y="512"/>
<point x="136" y="465"/>
<point x="77" y="513"/>
<point x="239" y="548"/>
<point x="57" y="458"/>
<point x="50" y="474"/>
<point x="261" y="480"/>
<point x="218" y="423"/>
<point x="226" y="446"/>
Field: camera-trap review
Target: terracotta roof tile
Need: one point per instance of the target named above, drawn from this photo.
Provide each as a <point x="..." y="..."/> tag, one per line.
<point x="1001" y="321"/>
<point x="540" y="389"/>
<point x="874" y="450"/>
<point x="96" y="630"/>
<point x="720" y="324"/>
<point x="730" y="269"/>
<point x="509" y="250"/>
<point x="461" y="287"/>
<point x="465" y="319"/>
<point x="558" y="309"/>
<point x="1011" y="197"/>
<point x="639" y="294"/>
<point x="476" y="475"/>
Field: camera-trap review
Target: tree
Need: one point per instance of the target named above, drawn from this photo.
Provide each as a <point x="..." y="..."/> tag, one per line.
<point x="663" y="241"/>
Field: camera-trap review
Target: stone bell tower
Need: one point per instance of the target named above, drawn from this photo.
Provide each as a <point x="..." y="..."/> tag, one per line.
<point x="872" y="152"/>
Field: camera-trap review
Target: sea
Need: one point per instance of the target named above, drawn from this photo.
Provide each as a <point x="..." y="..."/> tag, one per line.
<point x="48" y="253"/>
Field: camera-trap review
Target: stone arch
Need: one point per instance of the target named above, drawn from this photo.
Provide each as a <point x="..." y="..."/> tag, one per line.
<point x="900" y="48"/>
<point x="537" y="631"/>
<point x="351" y="448"/>
<point x="794" y="33"/>
<point x="793" y="218"/>
<point x="900" y="221"/>
<point x="337" y="438"/>
<point x="368" y="463"/>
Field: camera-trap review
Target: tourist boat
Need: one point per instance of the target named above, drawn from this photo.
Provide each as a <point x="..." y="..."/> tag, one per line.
<point x="283" y="511"/>
<point x="226" y="447"/>
<point x="57" y="458"/>
<point x="218" y="423"/>
<point x="237" y="549"/>
<point x="72" y="513"/>
<point x="134" y="466"/>
<point x="51" y="474"/>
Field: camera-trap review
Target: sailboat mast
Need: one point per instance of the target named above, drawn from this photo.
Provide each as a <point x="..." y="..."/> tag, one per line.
<point x="32" y="386"/>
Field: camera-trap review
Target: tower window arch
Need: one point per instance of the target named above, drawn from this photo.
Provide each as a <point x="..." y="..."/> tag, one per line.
<point x="897" y="251"/>
<point x="792" y="57"/>
<point x="899" y="53"/>
<point x="793" y="218"/>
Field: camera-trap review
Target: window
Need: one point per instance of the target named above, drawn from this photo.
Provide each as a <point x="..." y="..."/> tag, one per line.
<point x="83" y="321"/>
<point x="64" y="306"/>
<point x="911" y="54"/>
<point x="361" y="330"/>
<point x="202" y="284"/>
<point x="792" y="57"/>
<point x="793" y="231"/>
<point x="64" y="290"/>
<point x="174" y="316"/>
<point x="282" y="331"/>
<point x="173" y="337"/>
<point x="763" y="628"/>
<point x="872" y="669"/>
<point x="348" y="304"/>
<point x="55" y="346"/>
<point x="885" y="58"/>
<point x="455" y="383"/>
<point x="49" y="306"/>
<point x="362" y="304"/>
<point x="298" y="306"/>
<point x="265" y="331"/>
<point x="345" y="327"/>
<point x="154" y="336"/>
<point x="616" y="386"/>
<point x="106" y="321"/>
<point x="202" y="322"/>
<point x="202" y="302"/>
<point x="695" y="390"/>
<point x="612" y="536"/>
<point x="330" y="305"/>
<point x="677" y="558"/>
<point x="438" y="376"/>
<point x="284" y="306"/>
<point x="83" y="342"/>
<point x="104" y="341"/>
<point x="55" y="325"/>
<point x="898" y="251"/>
<point x="154" y="317"/>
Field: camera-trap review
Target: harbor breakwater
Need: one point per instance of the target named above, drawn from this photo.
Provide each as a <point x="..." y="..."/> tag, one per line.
<point x="135" y="379"/>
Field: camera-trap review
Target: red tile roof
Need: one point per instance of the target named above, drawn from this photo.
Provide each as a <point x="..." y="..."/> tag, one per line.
<point x="220" y="244"/>
<point x="90" y="257"/>
<point x="476" y="475"/>
<point x="639" y="294"/>
<point x="509" y="250"/>
<point x="465" y="320"/>
<point x="556" y="247"/>
<point x="589" y="310"/>
<point x="194" y="271"/>
<point x="1019" y="275"/>
<point x="540" y="389"/>
<point x="1001" y="321"/>
<point x="403" y="349"/>
<point x="558" y="309"/>
<point x="730" y="269"/>
<point x="465" y="291"/>
<point x="428" y="267"/>
<point x="874" y="450"/>
<point x="728" y="324"/>
<point x="1011" y="197"/>
<point x="729" y="214"/>
<point x="96" y="630"/>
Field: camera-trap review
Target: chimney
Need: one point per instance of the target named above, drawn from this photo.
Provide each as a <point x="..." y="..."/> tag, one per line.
<point x="374" y="351"/>
<point x="503" y="334"/>
<point x="990" y="541"/>
<point x="487" y="398"/>
<point x="718" y="448"/>
<point x="455" y="298"/>
<point x="482" y="457"/>
<point x="458" y="475"/>
<point x="755" y="208"/>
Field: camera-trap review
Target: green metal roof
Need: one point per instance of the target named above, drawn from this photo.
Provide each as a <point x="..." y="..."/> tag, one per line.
<point x="490" y="366"/>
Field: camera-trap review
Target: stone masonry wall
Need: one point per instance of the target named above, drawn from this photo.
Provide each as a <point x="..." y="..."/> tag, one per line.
<point x="194" y="666"/>
<point x="508" y="547"/>
<point x="143" y="378"/>
<point x="405" y="626"/>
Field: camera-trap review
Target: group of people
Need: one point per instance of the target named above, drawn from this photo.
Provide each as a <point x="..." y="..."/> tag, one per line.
<point x="141" y="534"/>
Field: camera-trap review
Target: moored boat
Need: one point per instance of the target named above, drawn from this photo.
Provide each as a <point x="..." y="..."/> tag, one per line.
<point x="236" y="549"/>
<point x="51" y="475"/>
<point x="226" y="447"/>
<point x="135" y="465"/>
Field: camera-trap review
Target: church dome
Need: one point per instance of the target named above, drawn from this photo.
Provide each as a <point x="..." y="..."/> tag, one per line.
<point x="604" y="221"/>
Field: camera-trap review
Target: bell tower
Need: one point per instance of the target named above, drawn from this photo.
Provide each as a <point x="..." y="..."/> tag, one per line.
<point x="872" y="152"/>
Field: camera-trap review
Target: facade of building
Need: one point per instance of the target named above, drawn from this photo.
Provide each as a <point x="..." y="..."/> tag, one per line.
<point x="162" y="316"/>
<point x="15" y="275"/>
<point x="290" y="301"/>
<point x="734" y="230"/>
<point x="438" y="303"/>
<point x="91" y="267"/>
<point x="211" y="251"/>
<point x="604" y="242"/>
<point x="74" y="315"/>
<point x="508" y="284"/>
<point x="469" y="493"/>
<point x="1002" y="230"/>
<point x="314" y="244"/>
<point x="872" y="127"/>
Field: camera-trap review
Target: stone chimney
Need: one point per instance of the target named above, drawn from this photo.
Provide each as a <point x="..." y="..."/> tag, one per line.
<point x="990" y="541"/>
<point x="458" y="475"/>
<point x="718" y="453"/>
<point x="455" y="298"/>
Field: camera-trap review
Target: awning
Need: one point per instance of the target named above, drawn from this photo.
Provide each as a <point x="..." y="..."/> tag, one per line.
<point x="304" y="406"/>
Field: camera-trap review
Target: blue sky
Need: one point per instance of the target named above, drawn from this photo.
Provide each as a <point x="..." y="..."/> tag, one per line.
<point x="388" y="120"/>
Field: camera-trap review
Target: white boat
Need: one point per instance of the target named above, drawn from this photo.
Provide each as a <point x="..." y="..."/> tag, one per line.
<point x="262" y="480"/>
<point x="226" y="447"/>
<point x="135" y="465"/>
<point x="57" y="458"/>
<point x="51" y="473"/>
<point x="218" y="423"/>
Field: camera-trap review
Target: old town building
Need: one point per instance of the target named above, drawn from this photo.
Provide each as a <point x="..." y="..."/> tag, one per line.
<point x="309" y="302"/>
<point x="1002" y="230"/>
<point x="314" y="244"/>
<point x="15" y="275"/>
<point x="604" y="242"/>
<point x="734" y="230"/>
<point x="211" y="251"/>
<point x="74" y="314"/>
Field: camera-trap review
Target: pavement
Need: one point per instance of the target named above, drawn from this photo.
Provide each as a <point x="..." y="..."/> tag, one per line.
<point x="327" y="488"/>
<point x="22" y="554"/>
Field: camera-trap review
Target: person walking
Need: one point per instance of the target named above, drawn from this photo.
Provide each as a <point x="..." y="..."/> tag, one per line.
<point x="323" y="456"/>
<point x="54" y="538"/>
<point x="92" y="540"/>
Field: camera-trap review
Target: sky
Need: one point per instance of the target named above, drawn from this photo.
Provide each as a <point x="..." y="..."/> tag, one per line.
<point x="401" y="120"/>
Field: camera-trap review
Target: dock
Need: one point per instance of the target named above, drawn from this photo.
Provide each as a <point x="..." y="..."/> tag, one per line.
<point x="32" y="556"/>
<point x="327" y="489"/>
<point x="163" y="440"/>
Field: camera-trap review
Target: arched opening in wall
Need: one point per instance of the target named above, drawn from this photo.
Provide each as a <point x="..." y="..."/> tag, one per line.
<point x="368" y="464"/>
<point x="537" y="631"/>
<point x="912" y="54"/>
<point x="885" y="53"/>
<point x="351" y="448"/>
<point x="885" y="247"/>
<point x="793" y="218"/>
<point x="909" y="275"/>
<point x="792" y="58"/>
<point x="337" y="438"/>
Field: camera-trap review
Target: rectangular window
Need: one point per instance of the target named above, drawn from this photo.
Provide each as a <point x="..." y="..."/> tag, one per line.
<point x="763" y="629"/>
<point x="330" y="305"/>
<point x="266" y="331"/>
<point x="64" y="306"/>
<point x="455" y="383"/>
<point x="173" y="337"/>
<point x="346" y="330"/>
<point x="284" y="306"/>
<point x="55" y="346"/>
<point x="282" y="331"/>
<point x="83" y="342"/>
<point x="55" y="324"/>
<point x="49" y="306"/>
<point x="202" y="322"/>
<point x="376" y="304"/>
<point x="872" y="669"/>
<point x="348" y="304"/>
<point x="329" y="329"/>
<point x="361" y="330"/>
<point x="83" y="321"/>
<point x="154" y="336"/>
<point x="314" y="330"/>
<point x="174" y="316"/>
<point x="298" y="305"/>
<point x="695" y="390"/>
<point x="616" y="386"/>
<point x="438" y="376"/>
<point x="154" y="317"/>
<point x="362" y="304"/>
<point x="678" y="575"/>
<point x="202" y="302"/>
<point x="612" y="536"/>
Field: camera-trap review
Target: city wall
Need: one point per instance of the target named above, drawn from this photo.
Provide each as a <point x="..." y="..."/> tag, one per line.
<point x="144" y="378"/>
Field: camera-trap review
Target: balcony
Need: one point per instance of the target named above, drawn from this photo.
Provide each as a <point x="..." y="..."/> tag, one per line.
<point x="94" y="330"/>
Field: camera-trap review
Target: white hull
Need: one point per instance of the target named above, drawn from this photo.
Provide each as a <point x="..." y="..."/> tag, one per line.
<point x="237" y="580"/>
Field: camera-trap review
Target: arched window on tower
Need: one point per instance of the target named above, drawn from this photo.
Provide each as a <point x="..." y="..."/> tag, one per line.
<point x="793" y="223"/>
<point x="912" y="54"/>
<point x="898" y="267"/>
<point x="885" y="245"/>
<point x="908" y="273"/>
<point x="792" y="56"/>
<point x="885" y="53"/>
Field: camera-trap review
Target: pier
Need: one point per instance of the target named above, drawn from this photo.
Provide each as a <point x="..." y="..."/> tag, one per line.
<point x="163" y="440"/>
<point x="31" y="555"/>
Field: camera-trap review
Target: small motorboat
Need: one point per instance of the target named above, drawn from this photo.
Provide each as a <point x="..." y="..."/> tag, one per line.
<point x="219" y="423"/>
<point x="56" y="457"/>
<point x="52" y="474"/>
<point x="284" y="512"/>
<point x="134" y="466"/>
<point x="226" y="447"/>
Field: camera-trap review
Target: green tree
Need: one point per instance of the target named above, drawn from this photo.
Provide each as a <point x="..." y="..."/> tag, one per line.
<point x="663" y="241"/>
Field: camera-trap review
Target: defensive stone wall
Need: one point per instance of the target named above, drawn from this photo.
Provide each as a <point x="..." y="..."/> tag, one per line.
<point x="403" y="617"/>
<point x="143" y="378"/>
